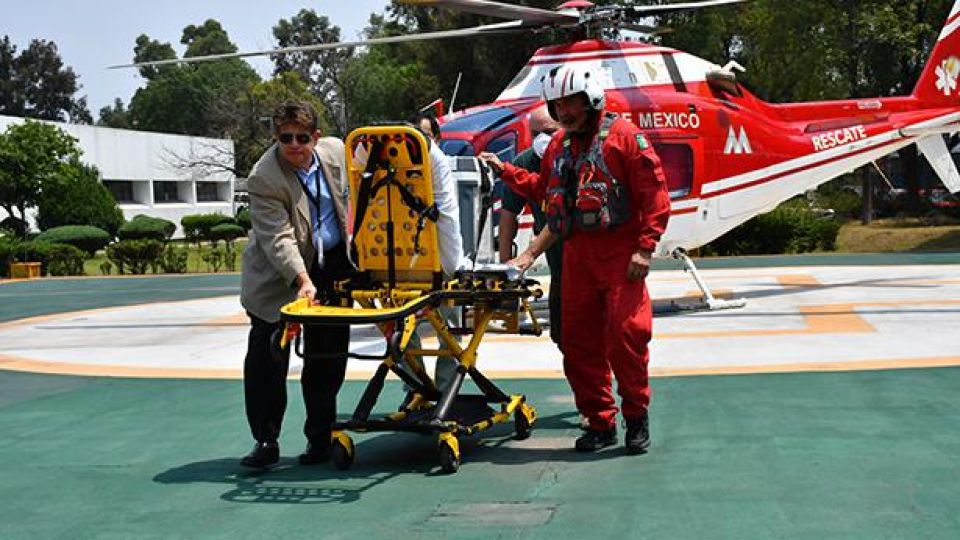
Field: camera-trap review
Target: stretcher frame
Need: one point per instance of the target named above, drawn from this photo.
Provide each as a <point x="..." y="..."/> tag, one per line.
<point x="400" y="286"/>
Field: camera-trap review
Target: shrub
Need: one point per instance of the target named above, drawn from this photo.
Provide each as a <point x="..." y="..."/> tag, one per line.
<point x="197" y="227"/>
<point x="174" y="260"/>
<point x="18" y="226"/>
<point x="9" y="246"/>
<point x="65" y="260"/>
<point x="143" y="227"/>
<point x="85" y="237"/>
<point x="135" y="255"/>
<point x="243" y="219"/>
<point x="790" y="228"/>
<point x="55" y="259"/>
<point x="76" y="195"/>
<point x="227" y="232"/>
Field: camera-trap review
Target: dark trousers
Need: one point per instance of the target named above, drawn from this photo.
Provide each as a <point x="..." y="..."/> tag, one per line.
<point x="265" y="379"/>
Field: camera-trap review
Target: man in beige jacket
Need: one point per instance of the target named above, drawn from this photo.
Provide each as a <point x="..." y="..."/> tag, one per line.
<point x="298" y="246"/>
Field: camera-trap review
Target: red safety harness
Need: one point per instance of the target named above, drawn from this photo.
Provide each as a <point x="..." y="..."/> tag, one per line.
<point x="582" y="193"/>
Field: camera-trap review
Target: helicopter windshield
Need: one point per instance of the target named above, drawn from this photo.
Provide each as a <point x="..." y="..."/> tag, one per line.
<point x="483" y="120"/>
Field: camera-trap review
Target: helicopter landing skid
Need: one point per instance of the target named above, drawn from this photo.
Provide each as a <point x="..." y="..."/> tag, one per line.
<point x="708" y="302"/>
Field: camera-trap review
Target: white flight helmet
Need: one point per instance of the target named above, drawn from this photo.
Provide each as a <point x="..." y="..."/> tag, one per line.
<point x="566" y="81"/>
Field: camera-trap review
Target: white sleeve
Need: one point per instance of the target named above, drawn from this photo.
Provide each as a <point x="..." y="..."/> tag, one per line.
<point x="448" y="225"/>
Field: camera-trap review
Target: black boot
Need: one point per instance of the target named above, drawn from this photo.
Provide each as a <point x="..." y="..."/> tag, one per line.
<point x="315" y="454"/>
<point x="638" y="435"/>
<point x="262" y="456"/>
<point x="593" y="440"/>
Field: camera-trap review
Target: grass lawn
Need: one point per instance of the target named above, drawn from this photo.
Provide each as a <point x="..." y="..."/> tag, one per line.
<point x="195" y="263"/>
<point x="897" y="235"/>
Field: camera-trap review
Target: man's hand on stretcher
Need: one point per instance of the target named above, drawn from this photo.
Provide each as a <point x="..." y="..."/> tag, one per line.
<point x="306" y="288"/>
<point x="538" y="245"/>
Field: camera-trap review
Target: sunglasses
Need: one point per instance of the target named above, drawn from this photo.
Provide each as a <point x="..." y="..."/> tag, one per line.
<point x="302" y="138"/>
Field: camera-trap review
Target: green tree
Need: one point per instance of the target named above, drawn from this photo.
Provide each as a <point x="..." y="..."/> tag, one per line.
<point x="190" y="99"/>
<point x="371" y="87"/>
<point x="32" y="155"/>
<point x="250" y="130"/>
<point x="151" y="50"/>
<point x="208" y="38"/>
<point x="115" y="116"/>
<point x="323" y="69"/>
<point x="75" y="196"/>
<point x="35" y="84"/>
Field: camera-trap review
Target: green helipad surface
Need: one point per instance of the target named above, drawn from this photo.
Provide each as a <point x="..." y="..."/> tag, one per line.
<point x="868" y="454"/>
<point x="829" y="455"/>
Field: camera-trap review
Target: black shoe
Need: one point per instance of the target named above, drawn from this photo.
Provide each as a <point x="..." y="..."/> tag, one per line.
<point x="315" y="454"/>
<point x="262" y="456"/>
<point x="637" y="439"/>
<point x="593" y="440"/>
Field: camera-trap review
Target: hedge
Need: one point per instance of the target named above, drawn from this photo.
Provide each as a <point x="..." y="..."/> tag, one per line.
<point x="143" y="227"/>
<point x="85" y="237"/>
<point x="227" y="232"/>
<point x="197" y="227"/>
<point x="790" y="228"/>
<point x="9" y="245"/>
<point x="135" y="255"/>
<point x="55" y="259"/>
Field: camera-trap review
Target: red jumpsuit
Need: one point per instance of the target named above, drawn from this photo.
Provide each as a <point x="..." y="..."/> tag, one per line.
<point x="607" y="319"/>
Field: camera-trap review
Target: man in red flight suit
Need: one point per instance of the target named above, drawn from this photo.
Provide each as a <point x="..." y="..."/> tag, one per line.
<point x="604" y="191"/>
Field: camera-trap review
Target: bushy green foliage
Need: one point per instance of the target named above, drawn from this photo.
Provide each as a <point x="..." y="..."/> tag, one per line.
<point x="31" y="156"/>
<point x="790" y="228"/>
<point x="243" y="219"/>
<point x="197" y="227"/>
<point x="143" y="227"/>
<point x="135" y="256"/>
<point x="85" y="237"/>
<point x="9" y="245"/>
<point x="841" y="197"/>
<point x="14" y="225"/>
<point x="227" y="232"/>
<point x="75" y="196"/>
<point x="173" y="260"/>
<point x="55" y="259"/>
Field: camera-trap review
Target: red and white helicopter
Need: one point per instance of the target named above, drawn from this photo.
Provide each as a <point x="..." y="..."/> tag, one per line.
<point x="728" y="155"/>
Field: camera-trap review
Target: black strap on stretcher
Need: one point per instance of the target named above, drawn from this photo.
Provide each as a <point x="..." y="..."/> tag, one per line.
<point x="368" y="190"/>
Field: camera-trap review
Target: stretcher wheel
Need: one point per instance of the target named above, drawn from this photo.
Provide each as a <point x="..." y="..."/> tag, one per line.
<point x="341" y="456"/>
<point x="449" y="454"/>
<point x="523" y="419"/>
<point x="278" y="353"/>
<point x="522" y="426"/>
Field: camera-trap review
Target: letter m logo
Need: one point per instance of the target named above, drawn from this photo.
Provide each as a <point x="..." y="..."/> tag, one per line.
<point x="737" y="144"/>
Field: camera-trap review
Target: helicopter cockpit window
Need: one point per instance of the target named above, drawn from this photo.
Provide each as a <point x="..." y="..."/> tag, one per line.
<point x="504" y="146"/>
<point x="456" y="147"/>
<point x="484" y="120"/>
<point x="520" y="77"/>
<point x="677" y="160"/>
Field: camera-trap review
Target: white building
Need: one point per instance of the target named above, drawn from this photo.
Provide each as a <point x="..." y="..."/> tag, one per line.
<point x="147" y="174"/>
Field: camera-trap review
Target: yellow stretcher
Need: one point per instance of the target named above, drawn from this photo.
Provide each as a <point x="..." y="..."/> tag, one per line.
<point x="400" y="285"/>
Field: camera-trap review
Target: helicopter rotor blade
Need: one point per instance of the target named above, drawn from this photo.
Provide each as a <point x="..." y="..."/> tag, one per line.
<point x="662" y="9"/>
<point x="498" y="9"/>
<point x="488" y="29"/>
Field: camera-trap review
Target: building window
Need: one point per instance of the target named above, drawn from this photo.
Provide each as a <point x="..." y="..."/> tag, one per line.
<point x="165" y="192"/>
<point x="208" y="192"/>
<point x="677" y="160"/>
<point x="121" y="190"/>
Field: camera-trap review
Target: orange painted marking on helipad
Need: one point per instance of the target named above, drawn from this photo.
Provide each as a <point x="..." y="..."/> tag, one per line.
<point x="94" y="370"/>
<point x="798" y="280"/>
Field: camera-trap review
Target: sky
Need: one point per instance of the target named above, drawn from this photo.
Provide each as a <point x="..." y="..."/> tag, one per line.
<point x="99" y="33"/>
